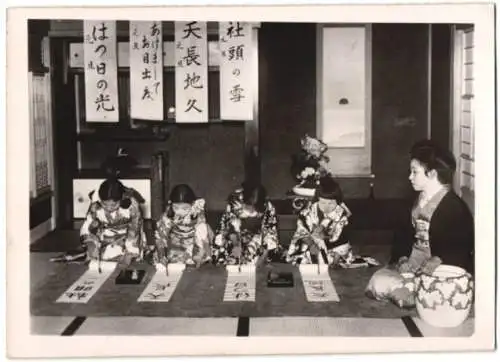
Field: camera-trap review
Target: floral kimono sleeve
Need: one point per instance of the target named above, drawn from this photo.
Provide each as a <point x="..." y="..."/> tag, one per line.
<point x="224" y="226"/>
<point x="161" y="234"/>
<point x="302" y="231"/>
<point x="198" y="211"/>
<point x="134" y="230"/>
<point x="270" y="238"/>
<point x="90" y="227"/>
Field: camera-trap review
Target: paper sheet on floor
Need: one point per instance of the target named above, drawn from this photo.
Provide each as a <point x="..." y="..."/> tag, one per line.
<point x="317" y="283"/>
<point x="162" y="285"/>
<point x="240" y="284"/>
<point x="88" y="284"/>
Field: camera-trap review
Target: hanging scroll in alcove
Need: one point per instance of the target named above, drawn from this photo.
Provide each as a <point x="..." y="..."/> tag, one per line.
<point x="146" y="70"/>
<point x="236" y="88"/>
<point x="101" y="79"/>
<point x="191" y="72"/>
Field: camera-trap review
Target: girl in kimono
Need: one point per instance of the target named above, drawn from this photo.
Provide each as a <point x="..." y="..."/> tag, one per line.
<point x="248" y="228"/>
<point x="440" y="227"/>
<point x="323" y="229"/>
<point x="182" y="234"/>
<point x="113" y="209"/>
<point x="112" y="228"/>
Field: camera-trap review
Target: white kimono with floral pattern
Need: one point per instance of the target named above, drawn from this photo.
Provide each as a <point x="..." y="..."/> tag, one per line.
<point x="183" y="239"/>
<point x="108" y="235"/>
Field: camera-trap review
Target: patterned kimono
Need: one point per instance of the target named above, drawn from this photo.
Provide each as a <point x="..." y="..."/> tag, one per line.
<point x="183" y="239"/>
<point x="242" y="238"/>
<point x="421" y="216"/>
<point x="108" y="235"/>
<point x="327" y="234"/>
<point x="389" y="282"/>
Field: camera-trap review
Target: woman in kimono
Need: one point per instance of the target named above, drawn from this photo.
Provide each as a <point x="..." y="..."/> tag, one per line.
<point x="182" y="234"/>
<point x="323" y="229"/>
<point x="248" y="228"/>
<point x="112" y="229"/>
<point x="439" y="230"/>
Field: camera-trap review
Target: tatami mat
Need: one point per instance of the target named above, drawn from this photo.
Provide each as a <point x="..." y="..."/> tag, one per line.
<point x="464" y="330"/>
<point x="200" y="292"/>
<point x="342" y="327"/>
<point x="277" y="326"/>
<point x="158" y="326"/>
<point x="41" y="269"/>
<point x="49" y="325"/>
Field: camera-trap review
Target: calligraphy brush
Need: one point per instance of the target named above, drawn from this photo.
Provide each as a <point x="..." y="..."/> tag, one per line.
<point x="239" y="260"/>
<point x="99" y="254"/>
<point x="317" y="264"/>
<point x="166" y="265"/>
<point x="237" y="252"/>
<point x="325" y="257"/>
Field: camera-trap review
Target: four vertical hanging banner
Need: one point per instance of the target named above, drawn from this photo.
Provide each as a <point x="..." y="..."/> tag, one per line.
<point x="101" y="78"/>
<point x="146" y="58"/>
<point x="191" y="72"/>
<point x="236" y="89"/>
<point x="146" y="70"/>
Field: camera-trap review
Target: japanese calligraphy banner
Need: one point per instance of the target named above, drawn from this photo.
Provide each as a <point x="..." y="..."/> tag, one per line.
<point x="236" y="77"/>
<point x="101" y="72"/>
<point x="317" y="283"/>
<point x="240" y="285"/>
<point x="146" y="70"/>
<point x="88" y="284"/>
<point x="191" y="72"/>
<point x="162" y="285"/>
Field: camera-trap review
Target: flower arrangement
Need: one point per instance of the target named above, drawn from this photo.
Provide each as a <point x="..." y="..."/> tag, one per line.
<point x="310" y="164"/>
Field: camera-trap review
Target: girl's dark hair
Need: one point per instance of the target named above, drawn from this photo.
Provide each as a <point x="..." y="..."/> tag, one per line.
<point x="254" y="194"/>
<point x="329" y="189"/>
<point x="111" y="189"/>
<point x="433" y="157"/>
<point x="180" y="193"/>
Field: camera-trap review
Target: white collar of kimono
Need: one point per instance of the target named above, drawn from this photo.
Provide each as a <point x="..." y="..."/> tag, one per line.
<point x="335" y="213"/>
<point x="431" y="191"/>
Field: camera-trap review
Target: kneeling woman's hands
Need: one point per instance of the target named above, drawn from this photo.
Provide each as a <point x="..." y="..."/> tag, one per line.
<point x="403" y="265"/>
<point x="431" y="265"/>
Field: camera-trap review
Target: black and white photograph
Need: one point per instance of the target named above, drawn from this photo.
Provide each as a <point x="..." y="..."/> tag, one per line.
<point x="219" y="173"/>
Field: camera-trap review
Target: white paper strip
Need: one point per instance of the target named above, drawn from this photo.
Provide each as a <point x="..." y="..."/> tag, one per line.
<point x="240" y="284"/>
<point x="317" y="283"/>
<point x="236" y="78"/>
<point x="88" y="284"/>
<point x="101" y="73"/>
<point x="146" y="70"/>
<point x="191" y="72"/>
<point x="162" y="286"/>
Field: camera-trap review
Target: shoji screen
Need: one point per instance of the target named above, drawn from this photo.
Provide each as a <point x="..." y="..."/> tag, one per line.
<point x="40" y="135"/>
<point x="463" y="134"/>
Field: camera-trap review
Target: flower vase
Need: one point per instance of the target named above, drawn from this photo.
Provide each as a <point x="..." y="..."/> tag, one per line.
<point x="444" y="299"/>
